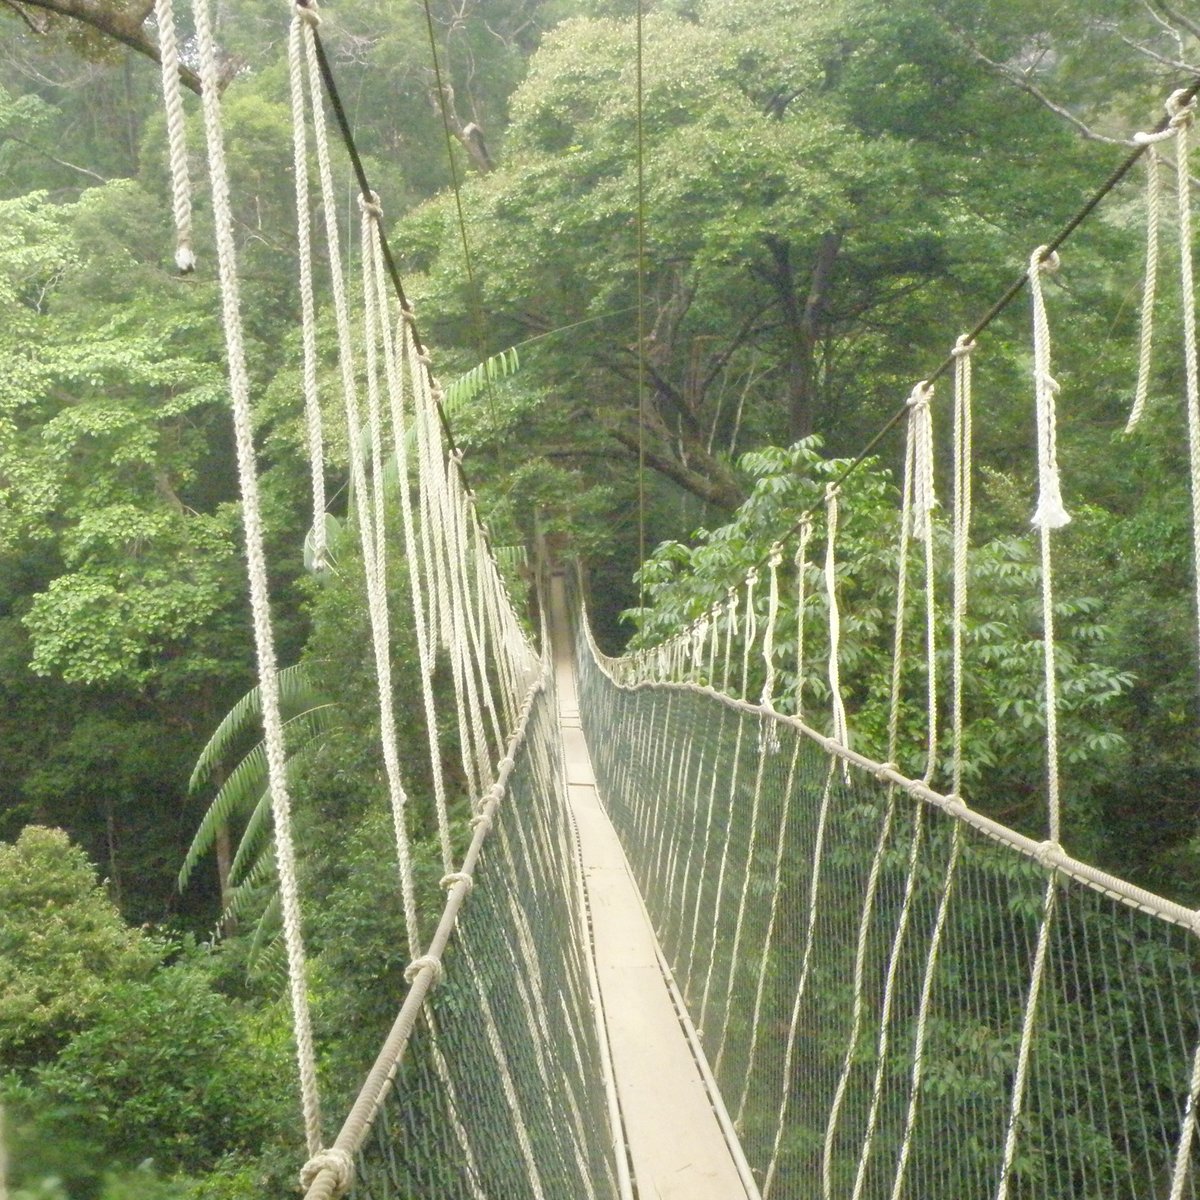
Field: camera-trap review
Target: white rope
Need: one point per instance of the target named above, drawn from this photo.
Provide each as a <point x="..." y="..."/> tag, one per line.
<point x="395" y="358"/>
<point x="806" y="531"/>
<point x="1149" y="287"/>
<point x="375" y="564"/>
<point x="181" y="184"/>
<point x="768" y="651"/>
<point x="1027" y="1026"/>
<point x="961" y="534"/>
<point x="839" y="731"/>
<point x="731" y="630"/>
<point x="239" y="387"/>
<point x="918" y="502"/>
<point x="1049" y="515"/>
<point x="1182" y="117"/>
<point x="750" y="632"/>
<point x="789" y="1053"/>
<point x="308" y="319"/>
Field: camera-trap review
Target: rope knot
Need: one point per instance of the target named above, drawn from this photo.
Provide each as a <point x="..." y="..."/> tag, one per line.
<point x="1179" y="110"/>
<point x="339" y="1162"/>
<point x="776" y="555"/>
<point x="456" y="877"/>
<point x="1049" y="382"/>
<point x="371" y="206"/>
<point x="832" y="491"/>
<point x="921" y="395"/>
<point x="881" y="770"/>
<point x="482" y="821"/>
<point x="956" y="806"/>
<point x="1045" y="260"/>
<point x="1049" y="854"/>
<point x="425" y="962"/>
<point x="306" y="10"/>
<point x="752" y="577"/>
<point x="456" y="456"/>
<point x="962" y="347"/>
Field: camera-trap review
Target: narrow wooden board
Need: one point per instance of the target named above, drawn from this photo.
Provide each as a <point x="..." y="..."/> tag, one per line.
<point x="676" y="1145"/>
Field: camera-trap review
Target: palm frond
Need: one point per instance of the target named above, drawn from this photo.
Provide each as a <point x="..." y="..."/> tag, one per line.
<point x="244" y="790"/>
<point x="296" y="689"/>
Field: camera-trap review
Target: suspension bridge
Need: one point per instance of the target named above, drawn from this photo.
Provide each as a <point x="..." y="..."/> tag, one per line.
<point x="699" y="946"/>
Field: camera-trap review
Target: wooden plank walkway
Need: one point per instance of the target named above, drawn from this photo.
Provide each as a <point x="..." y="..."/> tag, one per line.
<point x="677" y="1147"/>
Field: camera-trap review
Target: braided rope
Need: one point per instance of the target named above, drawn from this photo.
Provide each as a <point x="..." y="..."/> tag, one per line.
<point x="181" y="184"/>
<point x="375" y="563"/>
<point x="308" y="319"/>
<point x="962" y="533"/>
<point x="839" y="730"/>
<point x="1050" y="515"/>
<point x="806" y="532"/>
<point x="768" y="651"/>
<point x="239" y="387"/>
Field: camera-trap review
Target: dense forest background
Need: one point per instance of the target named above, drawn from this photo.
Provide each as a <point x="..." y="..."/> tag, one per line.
<point x="832" y="192"/>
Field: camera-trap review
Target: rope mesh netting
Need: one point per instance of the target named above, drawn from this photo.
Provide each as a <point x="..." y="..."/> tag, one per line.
<point x="754" y="846"/>
<point x="515" y="1071"/>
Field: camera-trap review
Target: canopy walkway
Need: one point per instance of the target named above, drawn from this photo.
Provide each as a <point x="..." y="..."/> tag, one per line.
<point x="699" y="947"/>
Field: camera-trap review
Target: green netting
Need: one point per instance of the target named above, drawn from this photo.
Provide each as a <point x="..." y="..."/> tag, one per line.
<point x="754" y="851"/>
<point x="500" y="1092"/>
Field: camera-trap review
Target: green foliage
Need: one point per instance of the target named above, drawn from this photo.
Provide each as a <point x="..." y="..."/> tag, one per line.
<point x="1003" y="672"/>
<point x="63" y="946"/>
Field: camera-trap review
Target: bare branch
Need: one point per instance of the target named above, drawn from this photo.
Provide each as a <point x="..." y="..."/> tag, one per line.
<point x="61" y="162"/>
<point x="1022" y="80"/>
<point x="1154" y="56"/>
<point x="1177" y="18"/>
<point x="38" y="26"/>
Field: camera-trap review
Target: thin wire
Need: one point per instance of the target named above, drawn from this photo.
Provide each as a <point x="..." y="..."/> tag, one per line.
<point x="641" y="307"/>
<point x="477" y="314"/>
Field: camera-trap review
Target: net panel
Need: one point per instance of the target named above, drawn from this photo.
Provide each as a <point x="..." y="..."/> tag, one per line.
<point x="806" y="907"/>
<point x="500" y="1092"/>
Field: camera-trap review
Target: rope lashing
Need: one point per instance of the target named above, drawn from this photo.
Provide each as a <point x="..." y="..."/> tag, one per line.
<point x="456" y="877"/>
<point x="181" y="184"/>
<point x="1050" y="513"/>
<point x="427" y="962"/>
<point x="340" y="1163"/>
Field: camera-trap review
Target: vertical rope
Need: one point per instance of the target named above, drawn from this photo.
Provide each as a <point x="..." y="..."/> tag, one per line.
<point x="806" y="530"/>
<point x="789" y="1053"/>
<point x="839" y="732"/>
<point x="239" y="387"/>
<point x="768" y="692"/>
<point x="375" y="565"/>
<point x="308" y="319"/>
<point x="1182" y="117"/>
<point x="1149" y="286"/>
<point x="750" y="632"/>
<point x="1049" y="515"/>
<point x="961" y="535"/>
<point x="181" y="184"/>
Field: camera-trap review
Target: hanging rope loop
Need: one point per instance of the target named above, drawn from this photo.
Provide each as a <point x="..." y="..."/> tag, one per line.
<point x="1050" y="512"/>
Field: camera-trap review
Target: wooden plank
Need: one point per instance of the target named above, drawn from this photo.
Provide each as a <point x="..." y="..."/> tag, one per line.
<point x="677" y="1148"/>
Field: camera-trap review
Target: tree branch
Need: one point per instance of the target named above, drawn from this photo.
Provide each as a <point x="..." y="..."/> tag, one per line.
<point x="1177" y="18"/>
<point x="125" y="28"/>
<point x="57" y="161"/>
<point x="1022" y="80"/>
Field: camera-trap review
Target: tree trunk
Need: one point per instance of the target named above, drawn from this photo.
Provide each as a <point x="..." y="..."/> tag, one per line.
<point x="802" y="324"/>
